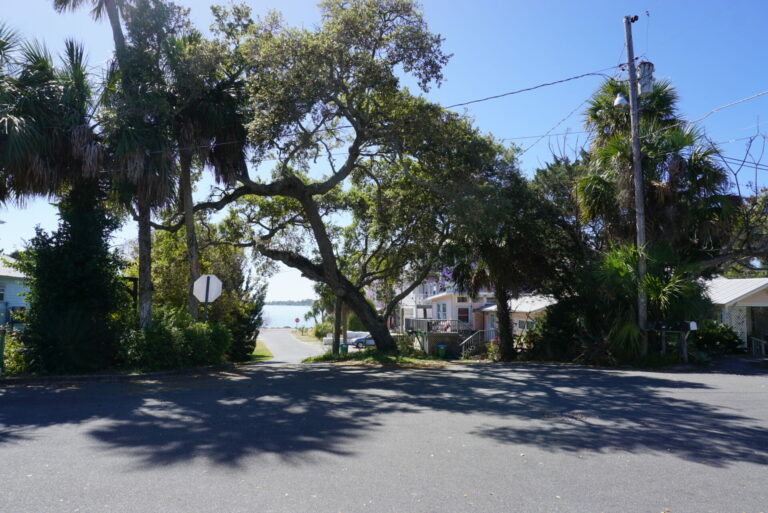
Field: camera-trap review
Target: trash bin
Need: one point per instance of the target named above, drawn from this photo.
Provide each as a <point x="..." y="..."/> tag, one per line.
<point x="344" y="348"/>
<point x="441" y="350"/>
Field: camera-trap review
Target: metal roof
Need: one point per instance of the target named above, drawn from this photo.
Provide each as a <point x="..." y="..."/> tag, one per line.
<point x="6" y="270"/>
<point x="727" y="291"/>
<point x="526" y="304"/>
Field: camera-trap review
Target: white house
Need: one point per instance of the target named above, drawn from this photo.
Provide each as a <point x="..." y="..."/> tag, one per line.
<point x="460" y="307"/>
<point x="742" y="304"/>
<point x="12" y="289"/>
<point x="523" y="312"/>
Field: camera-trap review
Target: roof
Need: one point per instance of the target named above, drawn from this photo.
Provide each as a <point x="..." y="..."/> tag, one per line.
<point x="727" y="291"/>
<point x="526" y="304"/>
<point x="6" y="270"/>
<point x="438" y="296"/>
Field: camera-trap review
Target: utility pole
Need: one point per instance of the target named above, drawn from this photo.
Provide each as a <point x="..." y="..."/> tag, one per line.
<point x="642" y="298"/>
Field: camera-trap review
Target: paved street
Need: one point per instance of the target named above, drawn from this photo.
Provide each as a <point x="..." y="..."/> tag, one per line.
<point x="287" y="349"/>
<point x="485" y="438"/>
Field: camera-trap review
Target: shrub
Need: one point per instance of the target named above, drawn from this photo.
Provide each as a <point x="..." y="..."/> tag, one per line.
<point x="14" y="360"/>
<point x="405" y="346"/>
<point x="715" y="338"/>
<point x="355" y="324"/>
<point x="174" y="341"/>
<point x="494" y="350"/>
<point x="322" y="329"/>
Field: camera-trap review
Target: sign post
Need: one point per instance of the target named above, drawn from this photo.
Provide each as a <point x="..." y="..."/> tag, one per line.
<point x="207" y="289"/>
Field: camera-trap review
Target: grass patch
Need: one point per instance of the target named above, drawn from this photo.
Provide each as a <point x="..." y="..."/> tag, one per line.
<point x="373" y="356"/>
<point x="307" y="337"/>
<point x="261" y="353"/>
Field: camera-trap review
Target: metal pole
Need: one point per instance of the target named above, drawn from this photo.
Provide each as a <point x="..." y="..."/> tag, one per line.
<point x="637" y="171"/>
<point x="207" y="288"/>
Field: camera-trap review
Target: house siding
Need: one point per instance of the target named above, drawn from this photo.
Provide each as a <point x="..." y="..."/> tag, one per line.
<point x="15" y="288"/>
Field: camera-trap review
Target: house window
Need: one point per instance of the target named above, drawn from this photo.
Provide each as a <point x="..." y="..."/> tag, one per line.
<point x="442" y="311"/>
<point x="2" y="292"/>
<point x="530" y="324"/>
<point x="521" y="324"/>
<point x="462" y="299"/>
<point x="463" y="314"/>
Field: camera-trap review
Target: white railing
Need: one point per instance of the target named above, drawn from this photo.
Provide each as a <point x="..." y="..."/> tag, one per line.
<point x="437" y="326"/>
<point x="475" y="342"/>
<point x="759" y="347"/>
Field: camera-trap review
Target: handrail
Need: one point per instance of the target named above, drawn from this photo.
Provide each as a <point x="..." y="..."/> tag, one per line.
<point x="476" y="339"/>
<point x="759" y="350"/>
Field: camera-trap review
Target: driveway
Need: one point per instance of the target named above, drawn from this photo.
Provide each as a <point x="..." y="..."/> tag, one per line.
<point x="286" y="348"/>
<point x="482" y="438"/>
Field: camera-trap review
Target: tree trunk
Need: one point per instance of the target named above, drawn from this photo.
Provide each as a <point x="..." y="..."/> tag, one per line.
<point x="117" y="30"/>
<point x="506" y="338"/>
<point x="336" y="326"/>
<point x="373" y="322"/>
<point x="145" y="259"/>
<point x="185" y="189"/>
<point x="344" y="323"/>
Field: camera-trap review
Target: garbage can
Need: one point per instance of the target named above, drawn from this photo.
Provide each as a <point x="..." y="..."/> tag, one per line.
<point x="344" y="348"/>
<point x="441" y="350"/>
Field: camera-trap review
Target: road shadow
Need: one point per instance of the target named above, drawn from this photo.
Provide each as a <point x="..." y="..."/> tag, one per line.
<point x="295" y="412"/>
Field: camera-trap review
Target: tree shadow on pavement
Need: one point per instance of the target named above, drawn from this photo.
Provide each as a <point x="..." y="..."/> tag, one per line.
<point x="296" y="412"/>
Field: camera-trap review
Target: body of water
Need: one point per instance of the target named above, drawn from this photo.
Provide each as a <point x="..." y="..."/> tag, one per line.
<point x="279" y="316"/>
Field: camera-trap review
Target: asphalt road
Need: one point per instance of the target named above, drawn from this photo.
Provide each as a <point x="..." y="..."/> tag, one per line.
<point x="485" y="438"/>
<point x="287" y="349"/>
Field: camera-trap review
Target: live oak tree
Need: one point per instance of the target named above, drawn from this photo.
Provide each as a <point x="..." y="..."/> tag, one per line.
<point x="333" y="92"/>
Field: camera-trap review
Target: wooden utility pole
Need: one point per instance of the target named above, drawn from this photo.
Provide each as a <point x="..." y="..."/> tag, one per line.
<point x="637" y="171"/>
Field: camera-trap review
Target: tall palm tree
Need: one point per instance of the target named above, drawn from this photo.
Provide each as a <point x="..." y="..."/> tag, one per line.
<point x="688" y="204"/>
<point x="140" y="150"/>
<point x="208" y="126"/>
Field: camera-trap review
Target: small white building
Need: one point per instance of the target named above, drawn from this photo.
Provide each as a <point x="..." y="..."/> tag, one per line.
<point x="13" y="286"/>
<point x="741" y="303"/>
<point x="523" y="312"/>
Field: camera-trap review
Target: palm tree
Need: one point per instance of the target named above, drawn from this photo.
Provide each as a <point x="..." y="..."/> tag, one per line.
<point x="140" y="147"/>
<point x="208" y="126"/>
<point x="688" y="204"/>
<point x="47" y="139"/>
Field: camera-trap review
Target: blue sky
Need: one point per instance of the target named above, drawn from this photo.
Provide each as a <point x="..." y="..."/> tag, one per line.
<point x="712" y="51"/>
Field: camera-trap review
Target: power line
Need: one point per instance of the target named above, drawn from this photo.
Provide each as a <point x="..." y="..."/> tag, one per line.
<point x="546" y="84"/>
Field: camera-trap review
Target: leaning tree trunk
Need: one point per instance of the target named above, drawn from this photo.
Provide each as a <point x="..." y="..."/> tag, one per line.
<point x="506" y="338"/>
<point x="145" y="259"/>
<point x="185" y="189"/>
<point x="374" y="323"/>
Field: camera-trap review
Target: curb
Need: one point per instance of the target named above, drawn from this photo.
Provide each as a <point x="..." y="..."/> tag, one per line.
<point x="117" y="378"/>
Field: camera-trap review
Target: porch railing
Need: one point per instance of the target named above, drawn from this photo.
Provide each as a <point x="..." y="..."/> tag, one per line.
<point x="474" y="343"/>
<point x="437" y="326"/>
<point x="759" y="347"/>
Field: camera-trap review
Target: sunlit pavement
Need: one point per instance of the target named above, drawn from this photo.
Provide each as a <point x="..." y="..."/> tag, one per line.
<point x="486" y="438"/>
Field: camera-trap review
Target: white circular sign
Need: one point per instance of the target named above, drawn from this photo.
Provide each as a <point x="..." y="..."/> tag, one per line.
<point x="207" y="288"/>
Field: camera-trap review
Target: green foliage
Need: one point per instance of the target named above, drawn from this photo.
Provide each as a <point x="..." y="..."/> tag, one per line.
<point x="715" y="338"/>
<point x="322" y="329"/>
<point x="354" y="323"/>
<point x="174" y="341"/>
<point x="493" y="350"/>
<point x="75" y="292"/>
<point x="241" y="303"/>
<point x="14" y="357"/>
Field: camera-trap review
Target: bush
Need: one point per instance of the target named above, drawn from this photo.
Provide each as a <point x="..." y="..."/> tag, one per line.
<point x="245" y="329"/>
<point x="715" y="338"/>
<point x="14" y="360"/>
<point x="494" y="350"/>
<point x="322" y="329"/>
<point x="355" y="324"/>
<point x="405" y="346"/>
<point x="173" y="341"/>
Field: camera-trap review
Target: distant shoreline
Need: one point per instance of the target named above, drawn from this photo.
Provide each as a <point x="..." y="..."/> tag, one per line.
<point x="300" y="302"/>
